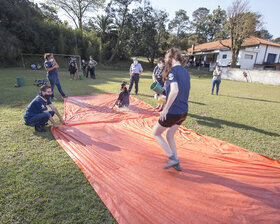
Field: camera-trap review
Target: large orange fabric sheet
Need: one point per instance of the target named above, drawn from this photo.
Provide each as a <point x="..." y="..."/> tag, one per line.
<point x="220" y="182"/>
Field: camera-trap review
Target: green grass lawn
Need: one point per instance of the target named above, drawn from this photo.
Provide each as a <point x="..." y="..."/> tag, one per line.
<point x="39" y="183"/>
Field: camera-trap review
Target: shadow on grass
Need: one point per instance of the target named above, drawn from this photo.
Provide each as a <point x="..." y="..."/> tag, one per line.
<point x="246" y="98"/>
<point x="218" y="123"/>
<point x="260" y="194"/>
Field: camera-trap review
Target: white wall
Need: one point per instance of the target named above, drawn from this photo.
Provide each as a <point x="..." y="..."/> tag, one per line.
<point x="262" y="56"/>
<point x="221" y="61"/>
<point x="244" y="62"/>
<point x="259" y="76"/>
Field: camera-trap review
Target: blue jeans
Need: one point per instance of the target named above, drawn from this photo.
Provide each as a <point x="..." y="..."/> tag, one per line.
<point x="39" y="119"/>
<point x="54" y="81"/>
<point x="217" y="83"/>
<point x="134" y="78"/>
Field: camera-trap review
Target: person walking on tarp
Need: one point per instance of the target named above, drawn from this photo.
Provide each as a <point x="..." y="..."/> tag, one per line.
<point x="92" y="63"/>
<point x="135" y="72"/>
<point x="123" y="98"/>
<point x="37" y="113"/>
<point x="177" y="80"/>
<point x="52" y="74"/>
<point x="216" y="81"/>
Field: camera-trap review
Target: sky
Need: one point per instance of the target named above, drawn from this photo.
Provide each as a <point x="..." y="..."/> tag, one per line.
<point x="269" y="9"/>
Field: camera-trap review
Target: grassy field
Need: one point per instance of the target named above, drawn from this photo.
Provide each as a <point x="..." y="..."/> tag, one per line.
<point x="39" y="183"/>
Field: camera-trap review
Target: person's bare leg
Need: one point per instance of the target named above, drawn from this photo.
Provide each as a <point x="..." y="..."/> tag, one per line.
<point x="170" y="138"/>
<point x="157" y="131"/>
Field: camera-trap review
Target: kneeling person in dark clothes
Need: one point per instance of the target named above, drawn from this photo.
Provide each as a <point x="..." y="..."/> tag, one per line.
<point x="37" y="113"/>
<point x="123" y="99"/>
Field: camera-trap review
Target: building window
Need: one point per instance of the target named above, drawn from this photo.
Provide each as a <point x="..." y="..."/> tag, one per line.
<point x="224" y="56"/>
<point x="249" y="56"/>
<point x="271" y="58"/>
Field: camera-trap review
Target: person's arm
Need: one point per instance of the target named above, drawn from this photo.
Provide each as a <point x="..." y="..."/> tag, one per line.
<point x="57" y="113"/>
<point x="130" y="70"/>
<point x="141" y="69"/>
<point x="115" y="103"/>
<point x="52" y="68"/>
<point x="171" y="97"/>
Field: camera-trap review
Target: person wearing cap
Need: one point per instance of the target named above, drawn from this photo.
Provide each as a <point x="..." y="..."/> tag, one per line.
<point x="135" y="72"/>
<point x="51" y="67"/>
<point x="123" y="99"/>
<point x="37" y="113"/>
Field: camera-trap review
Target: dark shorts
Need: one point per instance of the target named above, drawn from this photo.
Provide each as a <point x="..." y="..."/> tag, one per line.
<point x="172" y="119"/>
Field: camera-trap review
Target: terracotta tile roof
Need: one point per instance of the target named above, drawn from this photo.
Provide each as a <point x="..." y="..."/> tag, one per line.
<point x="217" y="45"/>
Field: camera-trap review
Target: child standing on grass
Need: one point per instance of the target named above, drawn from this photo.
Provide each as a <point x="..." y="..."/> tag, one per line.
<point x="176" y="108"/>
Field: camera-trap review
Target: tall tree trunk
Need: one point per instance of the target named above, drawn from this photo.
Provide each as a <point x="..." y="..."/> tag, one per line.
<point x="119" y="37"/>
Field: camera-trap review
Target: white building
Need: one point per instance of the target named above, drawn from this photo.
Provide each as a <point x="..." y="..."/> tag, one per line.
<point x="255" y="53"/>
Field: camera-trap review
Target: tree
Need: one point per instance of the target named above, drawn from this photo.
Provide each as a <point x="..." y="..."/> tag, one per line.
<point x="277" y="40"/>
<point x="241" y="24"/>
<point x="264" y="34"/>
<point x="49" y="13"/>
<point x="148" y="34"/>
<point x="179" y="23"/>
<point x="217" y="21"/>
<point x="200" y="24"/>
<point x="106" y="31"/>
<point x="120" y="11"/>
<point x="77" y="9"/>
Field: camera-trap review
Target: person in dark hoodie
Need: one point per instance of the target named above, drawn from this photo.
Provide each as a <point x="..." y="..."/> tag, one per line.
<point x="37" y="113"/>
<point x="123" y="98"/>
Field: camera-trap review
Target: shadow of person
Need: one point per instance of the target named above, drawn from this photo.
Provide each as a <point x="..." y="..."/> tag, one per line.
<point x="214" y="122"/>
<point x="260" y="194"/>
<point x="73" y="134"/>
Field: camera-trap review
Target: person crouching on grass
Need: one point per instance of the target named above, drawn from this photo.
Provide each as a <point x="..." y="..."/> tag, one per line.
<point x="177" y="80"/>
<point x="123" y="99"/>
<point x="37" y="114"/>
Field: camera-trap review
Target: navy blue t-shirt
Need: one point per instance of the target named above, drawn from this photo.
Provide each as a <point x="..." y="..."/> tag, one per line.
<point x="37" y="105"/>
<point x="158" y="74"/>
<point x="124" y="99"/>
<point x="53" y="72"/>
<point x="180" y="75"/>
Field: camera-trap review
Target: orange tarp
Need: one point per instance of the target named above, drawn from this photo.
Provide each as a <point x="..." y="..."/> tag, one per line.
<point x="220" y="182"/>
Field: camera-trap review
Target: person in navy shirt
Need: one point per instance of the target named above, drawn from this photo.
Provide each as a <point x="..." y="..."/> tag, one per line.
<point x="37" y="113"/>
<point x="123" y="98"/>
<point x="51" y="66"/>
<point x="135" y="72"/>
<point x="157" y="77"/>
<point x="177" y="80"/>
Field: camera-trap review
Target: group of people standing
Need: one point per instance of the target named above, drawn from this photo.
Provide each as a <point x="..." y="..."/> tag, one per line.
<point x="171" y="75"/>
<point x="87" y="67"/>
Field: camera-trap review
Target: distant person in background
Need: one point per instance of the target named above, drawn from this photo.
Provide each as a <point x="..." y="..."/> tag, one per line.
<point x="135" y="72"/>
<point x="37" y="113"/>
<point x="157" y="77"/>
<point x="216" y="81"/>
<point x="38" y="67"/>
<point x="92" y="63"/>
<point x="84" y="67"/>
<point x="33" y="67"/>
<point x="52" y="74"/>
<point x="73" y="69"/>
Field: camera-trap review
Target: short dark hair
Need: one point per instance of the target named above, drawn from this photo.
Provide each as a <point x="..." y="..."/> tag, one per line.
<point x="161" y="59"/>
<point x="44" y="88"/>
